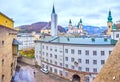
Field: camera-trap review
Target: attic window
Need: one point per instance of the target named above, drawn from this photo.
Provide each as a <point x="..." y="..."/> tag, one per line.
<point x="93" y="39"/>
<point x="68" y="39"/>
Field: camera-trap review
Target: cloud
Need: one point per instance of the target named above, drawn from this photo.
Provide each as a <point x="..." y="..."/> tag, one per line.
<point x="92" y="12"/>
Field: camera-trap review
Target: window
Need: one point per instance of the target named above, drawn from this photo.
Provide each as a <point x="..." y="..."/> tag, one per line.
<point x="3" y="77"/>
<point x="55" y="50"/>
<point x="46" y="60"/>
<point x="79" y="51"/>
<point x="51" y="69"/>
<point x="94" y="61"/>
<point x="95" y="70"/>
<point x="66" y="50"/>
<point x="102" y="62"/>
<point x="66" y="58"/>
<point x="43" y="59"/>
<point x="50" y="61"/>
<point x="2" y="61"/>
<point x="87" y="69"/>
<point x="72" y="67"/>
<point x="72" y="59"/>
<point x="50" y="49"/>
<point x="55" y="63"/>
<point x="46" y="47"/>
<point x="102" y="53"/>
<point x="55" y="56"/>
<point x="110" y="52"/>
<point x="60" y="72"/>
<point x="86" y="52"/>
<point x="94" y="53"/>
<point x="50" y="55"/>
<point x="72" y="51"/>
<point x="55" y="70"/>
<point x="87" y="61"/>
<point x="43" y="53"/>
<point x="43" y="46"/>
<point x="46" y="54"/>
<point x="79" y="61"/>
<point x="2" y="42"/>
<point x="46" y="66"/>
<point x="79" y="68"/>
<point x="117" y="35"/>
<point x="66" y="65"/>
<point x="60" y="64"/>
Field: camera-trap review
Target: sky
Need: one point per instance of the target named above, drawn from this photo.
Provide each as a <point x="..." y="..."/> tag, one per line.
<point x="92" y="12"/>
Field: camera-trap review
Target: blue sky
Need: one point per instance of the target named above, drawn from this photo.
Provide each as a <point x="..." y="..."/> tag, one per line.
<point x="92" y="12"/>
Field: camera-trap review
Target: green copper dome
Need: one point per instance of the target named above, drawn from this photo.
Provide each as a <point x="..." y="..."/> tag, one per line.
<point x="109" y="17"/>
<point x="114" y="27"/>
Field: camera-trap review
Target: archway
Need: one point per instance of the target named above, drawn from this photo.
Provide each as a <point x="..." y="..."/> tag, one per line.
<point x="76" y="78"/>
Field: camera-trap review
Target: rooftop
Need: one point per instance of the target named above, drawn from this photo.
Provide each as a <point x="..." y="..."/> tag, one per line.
<point x="79" y="40"/>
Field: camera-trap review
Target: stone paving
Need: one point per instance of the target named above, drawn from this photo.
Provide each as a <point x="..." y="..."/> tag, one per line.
<point x="39" y="76"/>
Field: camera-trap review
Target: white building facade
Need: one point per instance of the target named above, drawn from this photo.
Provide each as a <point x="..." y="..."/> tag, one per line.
<point x="71" y="57"/>
<point x="27" y="41"/>
<point x="75" y="58"/>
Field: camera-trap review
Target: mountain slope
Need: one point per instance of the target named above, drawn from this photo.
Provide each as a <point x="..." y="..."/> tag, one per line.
<point x="38" y="26"/>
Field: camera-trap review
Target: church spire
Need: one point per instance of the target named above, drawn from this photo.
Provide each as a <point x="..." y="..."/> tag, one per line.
<point x="81" y="21"/>
<point x="109" y="16"/>
<point x="53" y="10"/>
<point x="70" y="21"/>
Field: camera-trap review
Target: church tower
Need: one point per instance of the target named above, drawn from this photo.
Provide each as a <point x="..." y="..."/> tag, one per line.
<point x="53" y="22"/>
<point x="109" y="23"/>
<point x="70" y="25"/>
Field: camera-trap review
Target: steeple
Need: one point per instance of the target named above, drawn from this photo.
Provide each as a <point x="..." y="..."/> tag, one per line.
<point x="109" y="16"/>
<point x="81" y="21"/>
<point x="53" y="10"/>
<point x="54" y="27"/>
<point x="70" y="21"/>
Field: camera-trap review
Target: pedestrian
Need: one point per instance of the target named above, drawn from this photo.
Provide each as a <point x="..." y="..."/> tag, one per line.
<point x="34" y="73"/>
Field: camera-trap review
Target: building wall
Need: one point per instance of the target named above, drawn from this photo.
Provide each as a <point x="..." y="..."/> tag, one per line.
<point x="43" y="57"/>
<point x="115" y="35"/>
<point x="7" y="59"/>
<point x="27" y="41"/>
<point x="5" y="21"/>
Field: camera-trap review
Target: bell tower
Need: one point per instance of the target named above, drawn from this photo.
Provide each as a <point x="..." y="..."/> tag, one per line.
<point x="109" y="23"/>
<point x="70" y="25"/>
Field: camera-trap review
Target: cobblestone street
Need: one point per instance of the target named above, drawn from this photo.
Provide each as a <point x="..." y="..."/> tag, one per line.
<point x="40" y="76"/>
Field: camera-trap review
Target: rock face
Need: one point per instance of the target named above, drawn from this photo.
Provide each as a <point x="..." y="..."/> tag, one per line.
<point x="110" y="72"/>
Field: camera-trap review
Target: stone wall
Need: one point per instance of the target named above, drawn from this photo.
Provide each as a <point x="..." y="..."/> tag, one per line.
<point x="6" y="55"/>
<point x="28" y="60"/>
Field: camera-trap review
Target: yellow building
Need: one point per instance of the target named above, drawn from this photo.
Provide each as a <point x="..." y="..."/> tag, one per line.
<point x="8" y="52"/>
<point x="6" y="21"/>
